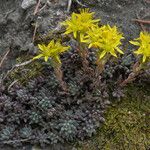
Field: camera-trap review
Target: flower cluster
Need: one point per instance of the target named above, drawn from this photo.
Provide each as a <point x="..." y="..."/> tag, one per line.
<point x="144" y="45"/>
<point x="79" y="24"/>
<point x="107" y="39"/>
<point x="86" y="31"/>
<point x="53" y="49"/>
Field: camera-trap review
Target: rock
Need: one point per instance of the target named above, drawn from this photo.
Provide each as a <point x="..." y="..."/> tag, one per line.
<point x="27" y="3"/>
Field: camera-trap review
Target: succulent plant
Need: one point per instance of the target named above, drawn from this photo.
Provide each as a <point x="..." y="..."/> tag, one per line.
<point x="73" y="88"/>
<point x="52" y="82"/>
<point x="14" y="117"/>
<point x="97" y="92"/>
<point x="6" y="133"/>
<point x="92" y="57"/>
<point x="53" y="138"/>
<point x="42" y="138"/>
<point x="41" y="106"/>
<point x="143" y="43"/>
<point x="35" y="117"/>
<point x="25" y="132"/>
<point x="1" y="117"/>
<point x="45" y="103"/>
<point x="68" y="129"/>
<point x="22" y="93"/>
<point x="80" y="23"/>
<point x="127" y="60"/>
<point x="89" y="128"/>
<point x="52" y="50"/>
<point x="45" y="113"/>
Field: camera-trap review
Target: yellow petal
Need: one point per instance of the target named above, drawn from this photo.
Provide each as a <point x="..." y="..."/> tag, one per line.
<point x="97" y="20"/>
<point x="113" y="53"/>
<point x="38" y="56"/>
<point x="68" y="32"/>
<point x="84" y="40"/>
<point x="109" y="27"/>
<point x="144" y="58"/>
<point x="51" y="43"/>
<point x="119" y="50"/>
<point x="90" y="45"/>
<point x="57" y="59"/>
<point x="82" y="37"/>
<point x="42" y="47"/>
<point x="75" y="34"/>
<point x="63" y="49"/>
<point x="102" y="54"/>
<point x="135" y="43"/>
<point x="137" y="52"/>
<point x="46" y="58"/>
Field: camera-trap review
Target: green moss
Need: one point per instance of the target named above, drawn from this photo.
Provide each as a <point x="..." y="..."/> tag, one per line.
<point x="127" y="124"/>
<point x="27" y="72"/>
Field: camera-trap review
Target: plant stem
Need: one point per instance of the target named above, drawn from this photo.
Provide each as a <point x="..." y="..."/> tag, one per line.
<point x="4" y="57"/>
<point x="83" y="54"/>
<point x="59" y="75"/>
<point x="142" y="21"/>
<point x="99" y="69"/>
<point x="136" y="70"/>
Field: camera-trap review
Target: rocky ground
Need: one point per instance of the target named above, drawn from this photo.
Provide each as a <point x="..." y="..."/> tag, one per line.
<point x="18" y="20"/>
<point x="22" y="27"/>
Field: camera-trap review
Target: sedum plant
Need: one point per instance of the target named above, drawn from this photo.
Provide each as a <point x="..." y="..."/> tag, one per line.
<point x="107" y="40"/>
<point x="86" y="30"/>
<point x="52" y="51"/>
<point x="143" y="42"/>
<point x="78" y="25"/>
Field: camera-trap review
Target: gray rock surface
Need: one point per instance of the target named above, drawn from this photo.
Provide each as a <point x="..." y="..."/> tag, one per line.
<point x="17" y="21"/>
<point x="28" y="3"/>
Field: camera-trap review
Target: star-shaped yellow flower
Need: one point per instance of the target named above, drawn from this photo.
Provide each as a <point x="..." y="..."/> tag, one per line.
<point x="107" y="39"/>
<point x="80" y="23"/>
<point x="53" y="49"/>
<point x="144" y="45"/>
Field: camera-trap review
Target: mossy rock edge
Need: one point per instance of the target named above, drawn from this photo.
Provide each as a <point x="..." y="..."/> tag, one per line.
<point x="127" y="124"/>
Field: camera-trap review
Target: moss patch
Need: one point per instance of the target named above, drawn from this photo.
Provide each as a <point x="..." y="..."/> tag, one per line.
<point x="27" y="72"/>
<point x="127" y="124"/>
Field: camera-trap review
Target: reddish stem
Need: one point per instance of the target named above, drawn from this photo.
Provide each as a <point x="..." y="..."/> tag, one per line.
<point x="142" y="21"/>
<point x="37" y="7"/>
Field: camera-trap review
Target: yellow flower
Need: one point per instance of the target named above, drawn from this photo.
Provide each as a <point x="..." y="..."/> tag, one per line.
<point x="80" y="23"/>
<point x="53" y="49"/>
<point x="107" y="39"/>
<point x="144" y="45"/>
